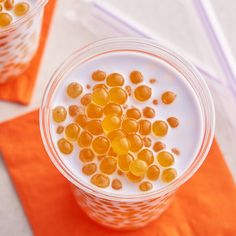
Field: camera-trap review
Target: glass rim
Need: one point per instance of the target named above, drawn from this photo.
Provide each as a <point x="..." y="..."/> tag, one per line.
<point x="143" y="45"/>
<point x="36" y="7"/>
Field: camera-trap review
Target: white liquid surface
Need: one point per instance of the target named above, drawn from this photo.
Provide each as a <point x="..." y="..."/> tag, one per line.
<point x="186" y="137"/>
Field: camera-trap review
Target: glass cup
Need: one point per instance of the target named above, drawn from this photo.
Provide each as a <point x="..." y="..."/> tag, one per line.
<point x="116" y="210"/>
<point x="19" y="42"/>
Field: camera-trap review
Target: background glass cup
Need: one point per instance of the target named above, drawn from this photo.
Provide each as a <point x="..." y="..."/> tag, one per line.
<point x="19" y="41"/>
<point x="116" y="210"/>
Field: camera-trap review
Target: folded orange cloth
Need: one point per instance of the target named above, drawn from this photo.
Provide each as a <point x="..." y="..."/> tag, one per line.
<point x="20" y="89"/>
<point x="205" y="205"/>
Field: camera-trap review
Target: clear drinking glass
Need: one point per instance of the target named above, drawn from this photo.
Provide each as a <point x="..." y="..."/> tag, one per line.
<point x="121" y="211"/>
<point x="19" y="42"/>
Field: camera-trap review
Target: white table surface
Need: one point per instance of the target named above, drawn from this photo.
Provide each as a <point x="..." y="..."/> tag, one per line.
<point x="59" y="46"/>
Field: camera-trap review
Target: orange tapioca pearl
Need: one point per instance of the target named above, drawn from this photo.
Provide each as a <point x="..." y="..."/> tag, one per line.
<point x="72" y="131"/>
<point x="168" y="175"/>
<point x="116" y="184"/>
<point x="138" y="167"/>
<point x="99" y="75"/>
<point x="136" y="77"/>
<point x="101" y="144"/>
<point x="21" y="8"/>
<point x="94" y="111"/>
<point x="115" y="133"/>
<point x="9" y="4"/>
<point x="168" y="97"/>
<point x="152" y="81"/>
<point x="82" y="120"/>
<point x="173" y="122"/>
<point x="145" y="127"/>
<point x="86" y="155"/>
<point x="136" y="142"/>
<point x="128" y="90"/>
<point x="74" y="110"/>
<point x="65" y="146"/>
<point x="108" y="165"/>
<point x="85" y="139"/>
<point x="74" y="89"/>
<point x="133" y="113"/>
<point x="158" y="146"/>
<point x="155" y="102"/>
<point x="59" y="114"/>
<point x="145" y="186"/>
<point x="124" y="161"/>
<point x="153" y="172"/>
<point x="133" y="178"/>
<point x="60" y="129"/>
<point x="130" y="125"/>
<point x="100" y="96"/>
<point x="115" y="79"/>
<point x="86" y="99"/>
<point x="94" y="127"/>
<point x="110" y="123"/>
<point x="147" y="142"/>
<point x="120" y="145"/>
<point x="160" y="128"/>
<point x="5" y="19"/>
<point x="176" y="151"/>
<point x="146" y="155"/>
<point x="165" y="158"/>
<point x="118" y="95"/>
<point x="89" y="169"/>
<point x="142" y="93"/>
<point x="100" y="180"/>
<point x="113" y="109"/>
<point x="148" y="112"/>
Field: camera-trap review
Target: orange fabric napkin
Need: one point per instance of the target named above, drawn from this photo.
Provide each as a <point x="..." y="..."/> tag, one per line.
<point x="20" y="89"/>
<point x="205" y="205"/>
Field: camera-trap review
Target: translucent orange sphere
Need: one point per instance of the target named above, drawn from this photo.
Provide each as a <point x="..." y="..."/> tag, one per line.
<point x="142" y="93"/>
<point x="100" y="96"/>
<point x="160" y="128"/>
<point x="146" y="155"/>
<point x="118" y="95"/>
<point x="138" y="167"/>
<point x="94" y="111"/>
<point x="101" y="144"/>
<point x="111" y="122"/>
<point x="100" y="180"/>
<point x="168" y="175"/>
<point x="124" y="161"/>
<point x="65" y="146"/>
<point x="133" y="113"/>
<point x="99" y="75"/>
<point x="130" y="125"/>
<point x="145" y="186"/>
<point x="115" y="79"/>
<point x="120" y="145"/>
<point x="113" y="109"/>
<point x="108" y="165"/>
<point x="136" y="142"/>
<point x="94" y="127"/>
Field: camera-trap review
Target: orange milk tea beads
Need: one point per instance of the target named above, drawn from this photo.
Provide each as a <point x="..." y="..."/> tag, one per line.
<point x="117" y="140"/>
<point x="9" y="10"/>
